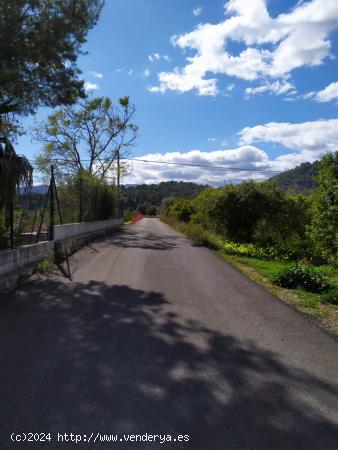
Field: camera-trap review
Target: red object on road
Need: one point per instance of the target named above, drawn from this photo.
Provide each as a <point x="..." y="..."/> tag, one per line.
<point x="137" y="218"/>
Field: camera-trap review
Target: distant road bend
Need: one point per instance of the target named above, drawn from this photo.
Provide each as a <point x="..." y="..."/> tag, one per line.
<point x="158" y="335"/>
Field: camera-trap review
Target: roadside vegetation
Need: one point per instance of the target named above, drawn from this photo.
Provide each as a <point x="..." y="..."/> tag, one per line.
<point x="285" y="241"/>
<point x="88" y="180"/>
<point x="85" y="139"/>
<point x="147" y="198"/>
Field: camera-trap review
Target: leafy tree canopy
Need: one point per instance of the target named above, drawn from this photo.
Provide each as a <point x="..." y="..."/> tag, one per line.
<point x="40" y="41"/>
<point x="154" y="194"/>
<point x="324" y="229"/>
<point x="88" y="137"/>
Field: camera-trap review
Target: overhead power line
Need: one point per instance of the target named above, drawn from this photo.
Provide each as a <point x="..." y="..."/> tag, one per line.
<point x="203" y="166"/>
<point x="206" y="166"/>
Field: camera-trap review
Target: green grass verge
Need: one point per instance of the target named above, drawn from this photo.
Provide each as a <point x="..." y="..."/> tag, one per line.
<point x="263" y="271"/>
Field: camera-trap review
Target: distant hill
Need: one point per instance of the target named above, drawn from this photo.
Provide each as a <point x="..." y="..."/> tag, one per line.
<point x="301" y="179"/>
<point x="152" y="194"/>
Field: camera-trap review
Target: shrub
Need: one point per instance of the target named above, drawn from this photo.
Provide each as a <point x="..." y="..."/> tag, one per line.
<point x="142" y="208"/>
<point x="45" y="264"/>
<point x="151" y="210"/>
<point x="255" y="251"/>
<point x="128" y="215"/>
<point x="255" y="213"/>
<point x="166" y="204"/>
<point x="331" y="296"/>
<point x="181" y="209"/>
<point x="306" y="277"/>
<point x="204" y="207"/>
<point x="323" y="230"/>
<point x="196" y="233"/>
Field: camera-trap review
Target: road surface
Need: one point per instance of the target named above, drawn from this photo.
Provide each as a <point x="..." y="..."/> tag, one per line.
<point x="156" y="335"/>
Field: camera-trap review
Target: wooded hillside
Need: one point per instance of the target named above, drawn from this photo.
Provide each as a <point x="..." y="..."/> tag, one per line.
<point x="152" y="194"/>
<point x="301" y="179"/>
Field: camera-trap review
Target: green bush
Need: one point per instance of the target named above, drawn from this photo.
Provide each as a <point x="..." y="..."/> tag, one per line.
<point x="255" y="213"/>
<point x="323" y="230"/>
<point x="204" y="207"/>
<point x="255" y="251"/>
<point x="45" y="264"/>
<point x="181" y="209"/>
<point x="128" y="215"/>
<point x="151" y="210"/>
<point x="305" y="277"/>
<point x="331" y="296"/>
<point x="142" y="208"/>
<point x="166" y="204"/>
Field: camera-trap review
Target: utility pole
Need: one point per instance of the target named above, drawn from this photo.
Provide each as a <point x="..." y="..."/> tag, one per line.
<point x="115" y="213"/>
<point x="118" y="184"/>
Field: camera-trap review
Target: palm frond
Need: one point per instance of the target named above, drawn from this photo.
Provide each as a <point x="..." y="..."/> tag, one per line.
<point x="15" y="171"/>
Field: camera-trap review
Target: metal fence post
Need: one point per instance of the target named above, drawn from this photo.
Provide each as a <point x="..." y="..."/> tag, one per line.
<point x="80" y="199"/>
<point x="11" y="224"/>
<point x="51" y="204"/>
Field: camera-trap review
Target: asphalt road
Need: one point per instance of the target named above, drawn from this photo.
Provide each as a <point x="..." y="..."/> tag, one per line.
<point x="158" y="335"/>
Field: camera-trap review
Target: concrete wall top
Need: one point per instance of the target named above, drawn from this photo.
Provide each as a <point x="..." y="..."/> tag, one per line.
<point x="14" y="260"/>
<point x="68" y="231"/>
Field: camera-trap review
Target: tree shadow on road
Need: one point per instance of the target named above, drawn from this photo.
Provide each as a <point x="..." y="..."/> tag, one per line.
<point x="88" y="358"/>
<point x="143" y="239"/>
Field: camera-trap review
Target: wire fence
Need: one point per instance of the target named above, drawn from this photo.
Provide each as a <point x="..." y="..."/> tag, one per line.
<point x="33" y="215"/>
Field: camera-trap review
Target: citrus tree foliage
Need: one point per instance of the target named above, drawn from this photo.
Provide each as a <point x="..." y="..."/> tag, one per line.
<point x="88" y="137"/>
<point x="236" y="210"/>
<point x="182" y="209"/>
<point x="40" y="41"/>
<point x="324" y="228"/>
<point x="250" y="213"/>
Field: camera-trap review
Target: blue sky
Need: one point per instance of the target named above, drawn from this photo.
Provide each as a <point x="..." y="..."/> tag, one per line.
<point x="239" y="84"/>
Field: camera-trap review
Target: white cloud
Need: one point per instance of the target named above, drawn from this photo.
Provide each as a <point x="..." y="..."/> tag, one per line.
<point x="308" y="140"/>
<point x="325" y="95"/>
<point x="274" y="47"/>
<point x="95" y="74"/>
<point x="184" y="82"/>
<point x="243" y="157"/>
<point x="277" y="87"/>
<point x="212" y="140"/>
<point x="153" y="57"/>
<point x="125" y="70"/>
<point x="146" y="73"/>
<point x="197" y="11"/>
<point x="91" y="86"/>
